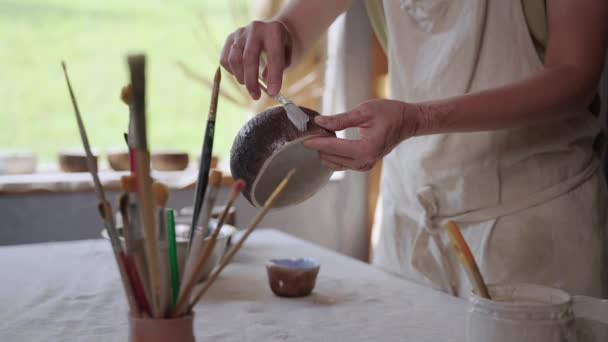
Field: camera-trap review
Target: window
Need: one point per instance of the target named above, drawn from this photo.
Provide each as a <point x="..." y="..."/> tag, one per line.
<point x="94" y="37"/>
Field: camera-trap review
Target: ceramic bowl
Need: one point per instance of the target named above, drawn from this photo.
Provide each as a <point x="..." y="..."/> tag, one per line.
<point x="267" y="147"/>
<point x="118" y="160"/>
<point x="292" y="277"/>
<point x="17" y="162"/>
<point x="75" y="160"/>
<point x="169" y="160"/>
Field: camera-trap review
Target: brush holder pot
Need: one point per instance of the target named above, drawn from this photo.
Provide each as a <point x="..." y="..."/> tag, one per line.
<point x="179" y="329"/>
<point x="530" y="313"/>
<point x="267" y="147"/>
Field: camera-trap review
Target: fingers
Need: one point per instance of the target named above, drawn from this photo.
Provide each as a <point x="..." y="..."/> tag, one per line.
<point x="251" y="63"/>
<point x="235" y="56"/>
<point x="332" y="166"/>
<point x="342" y="121"/>
<point x="274" y="44"/>
<point x="338" y="163"/>
<point x="241" y="55"/>
<point x="339" y="147"/>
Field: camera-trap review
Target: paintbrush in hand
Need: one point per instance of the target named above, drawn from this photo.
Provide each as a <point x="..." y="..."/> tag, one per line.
<point x="206" y="153"/>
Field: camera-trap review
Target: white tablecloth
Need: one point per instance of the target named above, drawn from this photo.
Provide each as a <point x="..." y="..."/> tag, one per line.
<point x="70" y="291"/>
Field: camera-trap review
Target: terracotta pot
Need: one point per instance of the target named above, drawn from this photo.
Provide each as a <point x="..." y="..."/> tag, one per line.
<point x="179" y="329"/>
<point x="75" y="161"/>
<point x="119" y="160"/>
<point x="169" y="160"/>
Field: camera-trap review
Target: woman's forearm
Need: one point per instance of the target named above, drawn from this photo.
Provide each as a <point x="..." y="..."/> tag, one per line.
<point x="307" y="20"/>
<point x="553" y="93"/>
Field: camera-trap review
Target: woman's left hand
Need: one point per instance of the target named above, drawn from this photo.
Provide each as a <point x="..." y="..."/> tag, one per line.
<point x="382" y="124"/>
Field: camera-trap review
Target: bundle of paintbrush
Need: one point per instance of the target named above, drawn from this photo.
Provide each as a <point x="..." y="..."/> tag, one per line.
<point x="148" y="259"/>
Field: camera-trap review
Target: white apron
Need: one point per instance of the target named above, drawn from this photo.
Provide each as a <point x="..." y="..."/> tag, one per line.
<point x="528" y="200"/>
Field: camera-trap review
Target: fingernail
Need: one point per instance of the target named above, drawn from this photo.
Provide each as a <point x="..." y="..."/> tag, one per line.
<point x="254" y="94"/>
<point x="273" y="89"/>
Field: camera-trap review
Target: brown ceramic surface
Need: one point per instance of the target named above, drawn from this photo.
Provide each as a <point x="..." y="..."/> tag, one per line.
<point x="263" y="138"/>
<point x="289" y="280"/>
<point x="169" y="160"/>
<point x="119" y="160"/>
<point x="178" y="329"/>
<point x="74" y="162"/>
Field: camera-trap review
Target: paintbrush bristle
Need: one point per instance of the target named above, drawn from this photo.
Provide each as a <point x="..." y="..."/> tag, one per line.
<point x="215" y="92"/>
<point x="125" y="94"/>
<point x="218" y="75"/>
<point x="161" y="194"/>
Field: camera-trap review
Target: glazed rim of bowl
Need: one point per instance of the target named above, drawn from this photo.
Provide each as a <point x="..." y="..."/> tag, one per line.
<point x="295" y="264"/>
<point x="299" y="188"/>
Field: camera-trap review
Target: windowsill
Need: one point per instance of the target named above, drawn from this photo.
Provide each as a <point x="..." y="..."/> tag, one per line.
<point x="62" y="182"/>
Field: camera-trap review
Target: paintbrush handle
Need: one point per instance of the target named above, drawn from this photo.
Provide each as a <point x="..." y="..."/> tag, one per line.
<point x="463" y="252"/>
<point x="203" y="176"/>
<point x="196" y="270"/>
<point x="173" y="257"/>
<point x="149" y="223"/>
<point x="122" y="263"/>
<point x="269" y="203"/>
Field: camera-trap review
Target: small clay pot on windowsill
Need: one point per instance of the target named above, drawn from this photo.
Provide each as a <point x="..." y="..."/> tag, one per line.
<point x="75" y="161"/>
<point x="169" y="160"/>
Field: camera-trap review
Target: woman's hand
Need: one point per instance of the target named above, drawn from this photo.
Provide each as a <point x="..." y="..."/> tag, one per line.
<point x="241" y="55"/>
<point x="382" y="124"/>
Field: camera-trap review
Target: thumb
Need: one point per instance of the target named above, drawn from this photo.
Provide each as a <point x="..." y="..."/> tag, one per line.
<point x="341" y="121"/>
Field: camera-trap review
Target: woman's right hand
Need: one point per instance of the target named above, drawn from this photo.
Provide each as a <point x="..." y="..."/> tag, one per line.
<point x="242" y="50"/>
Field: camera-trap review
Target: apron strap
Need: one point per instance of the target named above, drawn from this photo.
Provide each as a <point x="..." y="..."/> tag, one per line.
<point x="431" y="222"/>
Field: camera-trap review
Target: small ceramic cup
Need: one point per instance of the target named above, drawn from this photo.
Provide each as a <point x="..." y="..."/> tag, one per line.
<point x="292" y="277"/>
<point x="179" y="329"/>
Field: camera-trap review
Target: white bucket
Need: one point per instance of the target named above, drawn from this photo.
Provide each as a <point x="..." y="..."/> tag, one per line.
<point x="527" y="313"/>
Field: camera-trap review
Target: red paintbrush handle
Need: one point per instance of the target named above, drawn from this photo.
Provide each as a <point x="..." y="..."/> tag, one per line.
<point x="132" y="160"/>
<point x="138" y="289"/>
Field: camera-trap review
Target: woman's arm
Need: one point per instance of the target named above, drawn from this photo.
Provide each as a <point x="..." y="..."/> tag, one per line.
<point x="574" y="59"/>
<point x="283" y="39"/>
<point x="573" y="64"/>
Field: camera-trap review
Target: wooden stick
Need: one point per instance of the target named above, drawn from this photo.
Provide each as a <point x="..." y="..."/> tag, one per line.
<point x="466" y="259"/>
<point x="122" y="263"/>
<point x="182" y="302"/>
<point x="269" y="203"/>
<point x="198" y="241"/>
<point x="137" y="66"/>
<point x="104" y="205"/>
<point x="206" y="153"/>
<point x="131" y="254"/>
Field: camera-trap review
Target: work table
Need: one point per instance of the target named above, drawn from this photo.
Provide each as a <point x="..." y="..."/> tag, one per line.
<point x="70" y="291"/>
